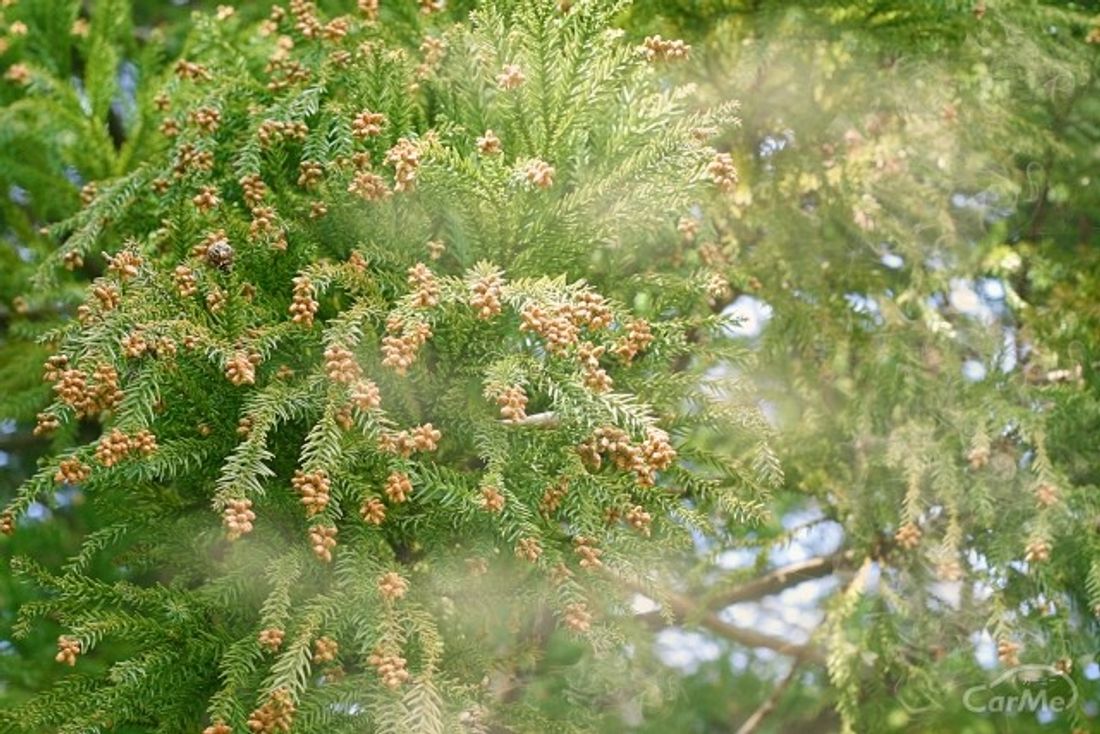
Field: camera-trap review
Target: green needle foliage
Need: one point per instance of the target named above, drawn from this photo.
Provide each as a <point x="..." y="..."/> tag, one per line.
<point x="387" y="362"/>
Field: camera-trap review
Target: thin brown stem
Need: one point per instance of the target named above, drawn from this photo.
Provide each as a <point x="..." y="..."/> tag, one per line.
<point x="687" y="611"/>
<point x="770" y="703"/>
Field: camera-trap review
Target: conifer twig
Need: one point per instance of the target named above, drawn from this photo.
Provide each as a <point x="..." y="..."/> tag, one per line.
<point x="780" y="579"/>
<point x="687" y="610"/>
<point x="769" y="705"/>
<point x="548" y="419"/>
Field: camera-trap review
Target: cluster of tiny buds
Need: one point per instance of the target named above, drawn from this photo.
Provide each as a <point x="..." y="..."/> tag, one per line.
<point x="373" y="511"/>
<point x="218" y="727"/>
<point x="390" y="667"/>
<point x="340" y="364"/>
<point x="325" y="650"/>
<point x="654" y="454"/>
<point x="192" y="71"/>
<point x="369" y="186"/>
<point x="170" y="128"/>
<point x="240" y="369"/>
<point x="358" y="161"/>
<point x="978" y="457"/>
<point x="513" y="403"/>
<point x="577" y="617"/>
<point x="638" y="337"/>
<point x="639" y="519"/>
<point x="688" y="227"/>
<point x="538" y="173"/>
<point x="433" y="48"/>
<point x="404" y="156"/>
<point x="595" y="377"/>
<point x="73" y="389"/>
<point x="365" y="395"/>
<point x="552" y="497"/>
<point x="402" y="344"/>
<point x="949" y="570"/>
<point x="108" y="296"/>
<point x="367" y="124"/>
<point x="322" y="538"/>
<point x="188" y="157"/>
<point x="588" y="552"/>
<point x="398" y="487"/>
<point x="722" y="171"/>
<point x="186" y="283"/>
<point x="18" y="73"/>
<point x="134" y="344"/>
<point x="908" y="536"/>
<point x="491" y="499"/>
<point x="488" y="143"/>
<point x="485" y="293"/>
<point x="54" y="366"/>
<point x="656" y="48"/>
<point x="1008" y="653"/>
<point x="206" y="119"/>
<point x="310" y="173"/>
<point x="237" y="518"/>
<point x="255" y="190"/>
<point x="1037" y="551"/>
<point x="392" y="586"/>
<point x="125" y="264"/>
<point x="423" y="438"/>
<point x="425" y="286"/>
<point x="276" y="714"/>
<point x="206" y="199"/>
<point x="216" y="299"/>
<point x="271" y="638"/>
<point x="284" y="73"/>
<point x="511" y="77"/>
<point x="72" y="260"/>
<point x="718" y="286"/>
<point x="529" y="549"/>
<point x="7" y="523"/>
<point x="303" y="307"/>
<point x="358" y="262"/>
<point x="314" y="490"/>
<point x="274" y="131"/>
<point x="553" y="324"/>
<point x="45" y="424"/>
<point x="1046" y="494"/>
<point x="263" y="223"/>
<point x="116" y="446"/>
<point x="67" y="650"/>
<point x="72" y="471"/>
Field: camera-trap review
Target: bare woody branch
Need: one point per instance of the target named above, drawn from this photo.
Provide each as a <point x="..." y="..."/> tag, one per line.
<point x="686" y="611"/>
<point x="768" y="706"/>
<point x="780" y="579"/>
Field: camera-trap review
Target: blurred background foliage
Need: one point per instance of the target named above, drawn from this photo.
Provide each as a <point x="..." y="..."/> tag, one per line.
<point x="913" y="248"/>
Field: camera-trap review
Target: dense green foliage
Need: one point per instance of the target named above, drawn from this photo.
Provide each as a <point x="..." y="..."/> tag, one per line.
<point x="304" y="245"/>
